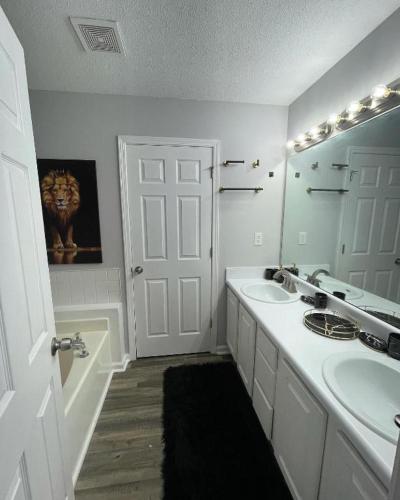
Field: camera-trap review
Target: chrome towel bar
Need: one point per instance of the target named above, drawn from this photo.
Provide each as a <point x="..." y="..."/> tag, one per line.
<point x="340" y="191"/>
<point x="255" y="189"/>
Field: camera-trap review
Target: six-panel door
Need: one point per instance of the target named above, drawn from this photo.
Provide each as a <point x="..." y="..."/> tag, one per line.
<point x="370" y="238"/>
<point x="32" y="463"/>
<point x="170" y="209"/>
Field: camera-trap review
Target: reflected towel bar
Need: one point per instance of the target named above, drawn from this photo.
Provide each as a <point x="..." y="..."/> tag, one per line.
<point x="340" y="191"/>
<point x="255" y="189"/>
<point x="229" y="162"/>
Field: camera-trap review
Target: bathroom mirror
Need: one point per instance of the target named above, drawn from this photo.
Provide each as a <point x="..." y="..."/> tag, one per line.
<point x="342" y="215"/>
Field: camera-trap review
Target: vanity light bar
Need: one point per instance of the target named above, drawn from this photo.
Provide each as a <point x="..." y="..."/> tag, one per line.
<point x="382" y="99"/>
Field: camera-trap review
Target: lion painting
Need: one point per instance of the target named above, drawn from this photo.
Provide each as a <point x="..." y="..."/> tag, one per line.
<point x="61" y="199"/>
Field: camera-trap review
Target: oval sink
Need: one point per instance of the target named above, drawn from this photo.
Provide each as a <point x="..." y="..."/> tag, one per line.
<point x="331" y="285"/>
<point x="368" y="388"/>
<point x="269" y="292"/>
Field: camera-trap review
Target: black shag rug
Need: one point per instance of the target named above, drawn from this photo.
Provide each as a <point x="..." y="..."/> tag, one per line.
<point x="214" y="446"/>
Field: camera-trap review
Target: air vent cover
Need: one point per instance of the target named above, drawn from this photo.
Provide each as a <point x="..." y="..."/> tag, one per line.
<point x="98" y="35"/>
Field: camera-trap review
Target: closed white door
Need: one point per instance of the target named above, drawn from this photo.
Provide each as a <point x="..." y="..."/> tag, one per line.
<point x="170" y="209"/>
<point x="369" y="257"/>
<point x="32" y="464"/>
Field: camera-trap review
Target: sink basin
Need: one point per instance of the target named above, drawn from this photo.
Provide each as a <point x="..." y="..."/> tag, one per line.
<point x="368" y="388"/>
<point x="269" y="292"/>
<point x="331" y="285"/>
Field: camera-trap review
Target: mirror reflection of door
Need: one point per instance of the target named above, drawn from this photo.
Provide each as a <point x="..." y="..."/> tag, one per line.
<point x="369" y="239"/>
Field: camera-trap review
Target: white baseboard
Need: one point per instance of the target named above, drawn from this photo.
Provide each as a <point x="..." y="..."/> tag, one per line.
<point x="222" y="349"/>
<point x="121" y="367"/>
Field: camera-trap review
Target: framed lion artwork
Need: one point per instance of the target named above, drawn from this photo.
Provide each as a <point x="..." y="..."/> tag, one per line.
<point x="70" y="211"/>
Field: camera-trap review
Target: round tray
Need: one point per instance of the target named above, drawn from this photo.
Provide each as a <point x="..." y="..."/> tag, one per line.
<point x="331" y="324"/>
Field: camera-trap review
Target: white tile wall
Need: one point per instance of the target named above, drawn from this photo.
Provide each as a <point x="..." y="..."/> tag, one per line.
<point x="87" y="286"/>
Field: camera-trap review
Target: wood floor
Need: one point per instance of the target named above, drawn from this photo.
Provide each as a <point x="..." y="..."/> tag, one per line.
<point x="125" y="454"/>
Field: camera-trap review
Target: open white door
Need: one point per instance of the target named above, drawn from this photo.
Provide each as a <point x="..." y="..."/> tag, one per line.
<point x="32" y="464"/>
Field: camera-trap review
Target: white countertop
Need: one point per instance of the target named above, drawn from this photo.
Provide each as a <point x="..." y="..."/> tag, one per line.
<point x="306" y="352"/>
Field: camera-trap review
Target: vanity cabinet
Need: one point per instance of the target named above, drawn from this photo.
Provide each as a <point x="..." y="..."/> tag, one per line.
<point x="246" y="347"/>
<point x="298" y="434"/>
<point x="265" y="366"/>
<point x="232" y="314"/>
<point x="345" y="475"/>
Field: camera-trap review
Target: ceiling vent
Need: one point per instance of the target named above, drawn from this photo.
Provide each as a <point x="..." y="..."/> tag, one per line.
<point x="98" y="35"/>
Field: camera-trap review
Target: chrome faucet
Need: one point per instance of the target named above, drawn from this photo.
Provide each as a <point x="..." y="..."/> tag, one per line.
<point x="67" y="343"/>
<point x="313" y="277"/>
<point x="288" y="282"/>
<point x="79" y="345"/>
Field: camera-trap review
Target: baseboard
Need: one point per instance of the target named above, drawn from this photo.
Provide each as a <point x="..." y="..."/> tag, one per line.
<point x="121" y="367"/>
<point x="92" y="427"/>
<point x="222" y="350"/>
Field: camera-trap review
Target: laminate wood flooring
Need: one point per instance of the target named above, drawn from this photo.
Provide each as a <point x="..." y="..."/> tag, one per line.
<point x="125" y="454"/>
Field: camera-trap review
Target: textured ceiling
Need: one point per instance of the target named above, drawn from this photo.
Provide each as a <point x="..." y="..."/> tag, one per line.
<point x="257" y="51"/>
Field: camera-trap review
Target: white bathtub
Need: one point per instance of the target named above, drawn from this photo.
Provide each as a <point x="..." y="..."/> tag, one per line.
<point x="85" y="387"/>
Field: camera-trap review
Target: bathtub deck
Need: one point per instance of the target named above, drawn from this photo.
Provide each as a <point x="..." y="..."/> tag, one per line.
<point x="125" y="454"/>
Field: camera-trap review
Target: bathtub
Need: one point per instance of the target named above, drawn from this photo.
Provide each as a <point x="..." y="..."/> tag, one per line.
<point x="85" y="384"/>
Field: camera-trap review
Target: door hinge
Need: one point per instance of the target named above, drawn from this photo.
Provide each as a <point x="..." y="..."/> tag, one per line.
<point x="352" y="174"/>
<point x="211" y="252"/>
<point x="210" y="323"/>
<point x="211" y="172"/>
<point x="343" y="248"/>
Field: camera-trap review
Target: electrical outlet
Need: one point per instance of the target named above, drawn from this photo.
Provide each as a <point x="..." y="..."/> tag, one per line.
<point x="302" y="238"/>
<point x="258" y="239"/>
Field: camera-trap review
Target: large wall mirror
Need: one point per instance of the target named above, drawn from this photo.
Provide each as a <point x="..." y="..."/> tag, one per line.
<point x="342" y="215"/>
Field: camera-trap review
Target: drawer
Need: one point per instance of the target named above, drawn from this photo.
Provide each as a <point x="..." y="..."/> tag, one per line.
<point x="265" y="377"/>
<point x="267" y="348"/>
<point x="263" y="409"/>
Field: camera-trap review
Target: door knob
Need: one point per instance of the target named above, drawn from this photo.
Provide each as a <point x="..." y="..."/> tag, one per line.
<point x="138" y="270"/>
<point x="397" y="261"/>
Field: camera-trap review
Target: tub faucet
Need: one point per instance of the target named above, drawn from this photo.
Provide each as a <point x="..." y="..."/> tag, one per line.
<point x="288" y="282"/>
<point x="67" y="343"/>
<point x="79" y="345"/>
<point x="312" y="278"/>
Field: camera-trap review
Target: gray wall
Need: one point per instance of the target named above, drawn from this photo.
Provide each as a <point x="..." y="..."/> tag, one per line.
<point x="375" y="60"/>
<point x="72" y="125"/>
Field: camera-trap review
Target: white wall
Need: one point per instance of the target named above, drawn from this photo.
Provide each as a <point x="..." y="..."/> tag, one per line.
<point x="375" y="60"/>
<point x="83" y="126"/>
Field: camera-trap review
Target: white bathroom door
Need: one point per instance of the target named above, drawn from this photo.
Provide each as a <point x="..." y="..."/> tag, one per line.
<point x="370" y="237"/>
<point x="170" y="209"/>
<point x="32" y="464"/>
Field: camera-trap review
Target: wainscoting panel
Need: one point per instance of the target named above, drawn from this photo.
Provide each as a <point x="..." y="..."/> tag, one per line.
<point x="86" y="286"/>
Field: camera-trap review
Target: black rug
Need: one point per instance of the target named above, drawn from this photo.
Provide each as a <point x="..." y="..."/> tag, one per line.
<point x="214" y="446"/>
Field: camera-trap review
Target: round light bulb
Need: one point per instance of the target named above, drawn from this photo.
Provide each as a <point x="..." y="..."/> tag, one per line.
<point x="355" y="107"/>
<point x="315" y="132"/>
<point x="290" y="144"/>
<point x="381" y="92"/>
<point x="333" y="118"/>
<point x="302" y="138"/>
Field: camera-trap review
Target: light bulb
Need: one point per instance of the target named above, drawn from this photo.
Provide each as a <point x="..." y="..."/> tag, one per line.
<point x="355" y="107"/>
<point x="381" y="92"/>
<point x="290" y="144"/>
<point x="302" y="138"/>
<point x="333" y="118"/>
<point x="315" y="132"/>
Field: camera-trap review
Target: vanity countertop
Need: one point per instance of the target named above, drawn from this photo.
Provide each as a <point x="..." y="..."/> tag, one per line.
<point x="307" y="351"/>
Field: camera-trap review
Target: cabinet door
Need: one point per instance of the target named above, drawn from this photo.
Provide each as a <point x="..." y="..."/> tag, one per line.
<point x="246" y="347"/>
<point x="345" y="474"/>
<point x="232" y="313"/>
<point x="298" y="434"/>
